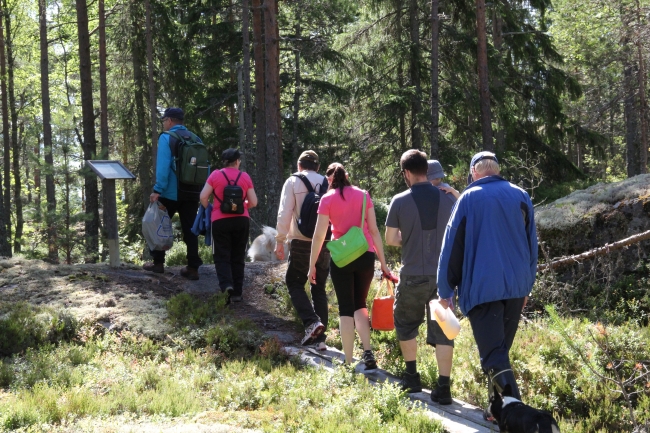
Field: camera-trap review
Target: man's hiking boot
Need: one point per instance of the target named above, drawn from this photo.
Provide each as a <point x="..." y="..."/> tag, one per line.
<point x="411" y="382"/>
<point x="190" y="273"/>
<point x="441" y="394"/>
<point x="369" y="360"/>
<point x="158" y="268"/>
<point x="312" y="331"/>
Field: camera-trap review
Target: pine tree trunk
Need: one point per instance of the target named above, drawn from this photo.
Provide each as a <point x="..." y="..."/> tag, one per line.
<point x="272" y="110"/>
<point x="89" y="141"/>
<point x="6" y="214"/>
<point x="497" y="37"/>
<point x="50" y="215"/>
<point x="37" y="180"/>
<point x="140" y="114"/>
<point x="103" y="87"/>
<point x="153" y="108"/>
<point x="246" y="74"/>
<point x="400" y="76"/>
<point x="18" y="197"/>
<point x="18" y="203"/>
<point x="435" y="103"/>
<point x="260" y="177"/>
<point x="416" y="101"/>
<point x="631" y="120"/>
<point x="296" y="99"/>
<point x="483" y="83"/>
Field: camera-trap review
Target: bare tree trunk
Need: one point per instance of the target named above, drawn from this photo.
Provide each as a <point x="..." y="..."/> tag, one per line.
<point x="140" y="114"/>
<point x="50" y="215"/>
<point x="483" y="84"/>
<point x="68" y="234"/>
<point x="631" y="120"/>
<point x="6" y="214"/>
<point x="37" y="180"/>
<point x="272" y="109"/>
<point x="18" y="202"/>
<point x="497" y="37"/>
<point x="643" y="148"/>
<point x="103" y="87"/>
<point x="18" y="197"/>
<point x="416" y="101"/>
<point x="153" y="108"/>
<point x="260" y="176"/>
<point x="435" y="103"/>
<point x="246" y="74"/>
<point x="296" y="98"/>
<point x="90" y="143"/>
<point x="400" y="76"/>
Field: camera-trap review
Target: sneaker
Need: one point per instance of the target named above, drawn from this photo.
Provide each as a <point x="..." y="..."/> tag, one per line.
<point x="441" y="394"/>
<point x="312" y="331"/>
<point x="411" y="383"/>
<point x="321" y="346"/>
<point x="190" y="273"/>
<point x="158" y="268"/>
<point x="369" y="360"/>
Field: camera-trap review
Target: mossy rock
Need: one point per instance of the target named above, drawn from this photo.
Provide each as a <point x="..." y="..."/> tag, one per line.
<point x="596" y="216"/>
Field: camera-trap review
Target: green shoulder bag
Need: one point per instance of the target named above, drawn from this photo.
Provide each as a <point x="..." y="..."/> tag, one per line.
<point x="351" y="245"/>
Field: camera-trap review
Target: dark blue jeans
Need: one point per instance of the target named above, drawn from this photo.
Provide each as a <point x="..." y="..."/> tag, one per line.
<point x="229" y="241"/>
<point x="494" y="325"/>
<point x="296" y="279"/>
<point x="187" y="214"/>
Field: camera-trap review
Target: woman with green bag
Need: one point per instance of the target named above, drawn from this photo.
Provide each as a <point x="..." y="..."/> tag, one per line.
<point x="355" y="242"/>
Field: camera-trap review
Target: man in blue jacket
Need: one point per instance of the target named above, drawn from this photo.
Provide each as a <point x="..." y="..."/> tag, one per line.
<point x="490" y="253"/>
<point x="165" y="192"/>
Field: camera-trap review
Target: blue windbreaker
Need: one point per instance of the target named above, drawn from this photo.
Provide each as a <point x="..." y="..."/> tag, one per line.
<point x="166" y="180"/>
<point x="490" y="246"/>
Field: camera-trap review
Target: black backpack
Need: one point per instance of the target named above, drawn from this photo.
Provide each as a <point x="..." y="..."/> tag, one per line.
<point x="309" y="210"/>
<point x="233" y="196"/>
<point x="192" y="166"/>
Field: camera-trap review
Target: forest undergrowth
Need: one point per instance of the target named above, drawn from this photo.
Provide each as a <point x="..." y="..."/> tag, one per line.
<point x="589" y="366"/>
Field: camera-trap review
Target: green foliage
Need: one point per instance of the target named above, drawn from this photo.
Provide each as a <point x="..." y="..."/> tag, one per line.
<point x="177" y="255"/>
<point x="23" y="326"/>
<point x="187" y="310"/>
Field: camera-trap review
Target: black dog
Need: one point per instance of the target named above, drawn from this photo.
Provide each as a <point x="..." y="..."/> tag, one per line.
<point x="515" y="417"/>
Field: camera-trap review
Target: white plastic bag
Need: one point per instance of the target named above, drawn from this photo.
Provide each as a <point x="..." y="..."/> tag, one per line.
<point x="446" y="319"/>
<point x="157" y="228"/>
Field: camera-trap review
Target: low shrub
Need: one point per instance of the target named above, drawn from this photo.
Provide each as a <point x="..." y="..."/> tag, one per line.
<point x="23" y="326"/>
<point x="187" y="310"/>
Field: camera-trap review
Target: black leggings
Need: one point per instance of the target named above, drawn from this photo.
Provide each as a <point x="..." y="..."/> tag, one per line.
<point x="229" y="241"/>
<point x="352" y="283"/>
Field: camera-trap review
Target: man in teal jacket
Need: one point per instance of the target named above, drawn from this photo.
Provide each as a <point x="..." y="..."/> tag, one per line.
<point x="165" y="192"/>
<point x="490" y="253"/>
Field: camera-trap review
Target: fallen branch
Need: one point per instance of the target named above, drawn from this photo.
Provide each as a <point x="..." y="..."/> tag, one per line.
<point x="600" y="251"/>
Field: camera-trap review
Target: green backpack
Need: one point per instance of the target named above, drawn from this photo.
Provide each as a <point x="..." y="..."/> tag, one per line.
<point x="192" y="164"/>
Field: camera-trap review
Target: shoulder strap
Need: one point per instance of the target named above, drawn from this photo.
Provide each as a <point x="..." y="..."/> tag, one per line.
<point x="305" y="181"/>
<point x="363" y="212"/>
<point x="230" y="182"/>
<point x="324" y="186"/>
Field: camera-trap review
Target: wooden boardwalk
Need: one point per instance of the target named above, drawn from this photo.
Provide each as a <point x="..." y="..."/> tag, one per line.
<point x="458" y="417"/>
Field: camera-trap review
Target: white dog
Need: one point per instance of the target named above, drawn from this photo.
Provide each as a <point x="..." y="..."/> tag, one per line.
<point x="263" y="247"/>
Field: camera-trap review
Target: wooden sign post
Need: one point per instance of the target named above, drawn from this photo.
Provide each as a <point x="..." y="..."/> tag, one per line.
<point x="108" y="171"/>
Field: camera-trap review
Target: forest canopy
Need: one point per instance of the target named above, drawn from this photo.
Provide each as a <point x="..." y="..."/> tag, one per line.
<point x="557" y="90"/>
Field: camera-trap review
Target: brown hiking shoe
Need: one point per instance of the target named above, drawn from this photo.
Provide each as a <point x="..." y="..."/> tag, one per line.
<point x="158" y="268"/>
<point x="190" y="273"/>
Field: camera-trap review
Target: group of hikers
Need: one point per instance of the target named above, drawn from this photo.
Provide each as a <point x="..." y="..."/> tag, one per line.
<point x="478" y="247"/>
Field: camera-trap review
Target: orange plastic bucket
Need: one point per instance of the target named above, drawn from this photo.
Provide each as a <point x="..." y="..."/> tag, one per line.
<point x="382" y="309"/>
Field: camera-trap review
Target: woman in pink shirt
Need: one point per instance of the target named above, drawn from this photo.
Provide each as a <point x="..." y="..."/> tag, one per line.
<point x="342" y="206"/>
<point x="229" y="230"/>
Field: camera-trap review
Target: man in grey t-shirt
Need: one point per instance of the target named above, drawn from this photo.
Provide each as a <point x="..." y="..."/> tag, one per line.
<point x="416" y="221"/>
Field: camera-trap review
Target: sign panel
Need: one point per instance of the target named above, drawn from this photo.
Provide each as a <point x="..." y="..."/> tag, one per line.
<point x="110" y="170"/>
